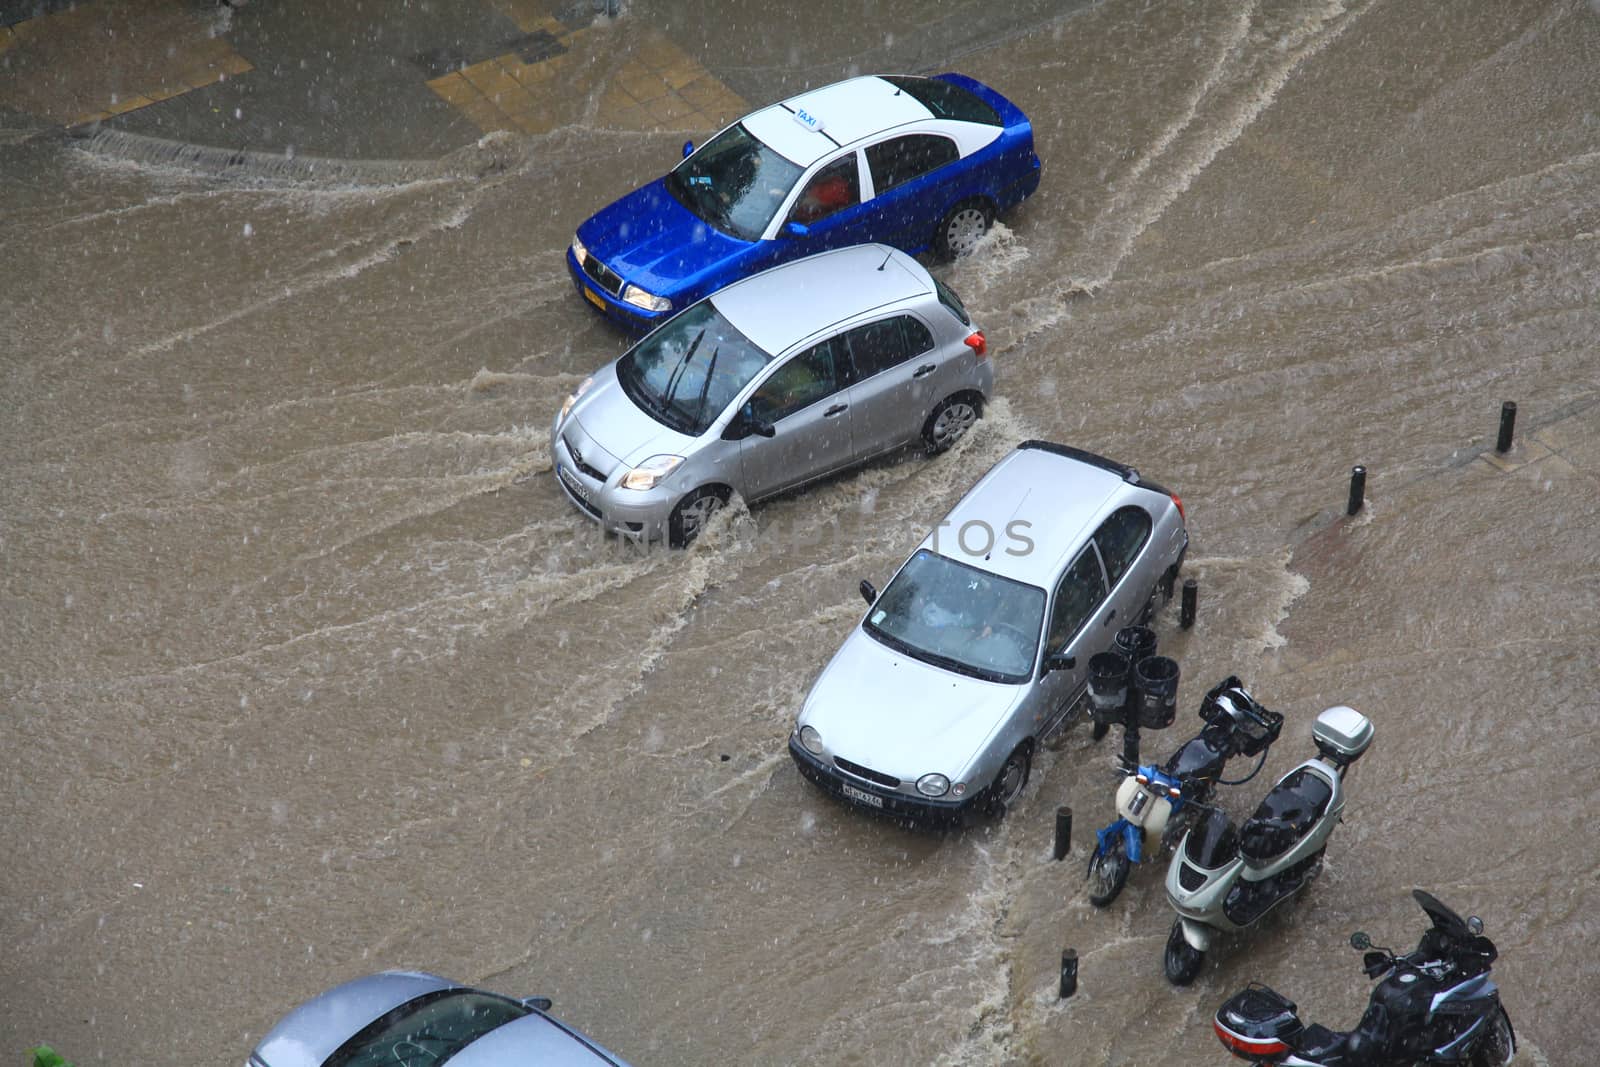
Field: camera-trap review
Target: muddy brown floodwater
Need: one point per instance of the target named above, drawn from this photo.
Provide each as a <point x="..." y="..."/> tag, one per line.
<point x="308" y="669"/>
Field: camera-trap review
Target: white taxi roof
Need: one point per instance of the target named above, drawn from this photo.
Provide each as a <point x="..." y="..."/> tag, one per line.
<point x="807" y="127"/>
<point x="780" y="307"/>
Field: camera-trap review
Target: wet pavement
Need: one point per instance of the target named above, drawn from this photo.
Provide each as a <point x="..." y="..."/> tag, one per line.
<point x="309" y="669"/>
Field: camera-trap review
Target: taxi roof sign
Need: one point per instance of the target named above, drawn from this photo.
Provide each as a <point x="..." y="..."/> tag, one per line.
<point x="811" y="122"/>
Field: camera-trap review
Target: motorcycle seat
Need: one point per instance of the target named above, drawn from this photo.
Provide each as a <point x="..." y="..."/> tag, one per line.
<point x="1286" y="815"/>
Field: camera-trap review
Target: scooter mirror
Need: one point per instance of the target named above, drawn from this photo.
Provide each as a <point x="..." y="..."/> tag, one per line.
<point x="1474" y="925"/>
<point x="1360" y="941"/>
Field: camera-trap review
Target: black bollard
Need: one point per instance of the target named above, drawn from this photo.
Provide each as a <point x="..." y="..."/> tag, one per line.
<point x="1191" y="596"/>
<point x="1069" y="972"/>
<point x="1063" y="832"/>
<point x="1508" y="423"/>
<point x="1358" y="489"/>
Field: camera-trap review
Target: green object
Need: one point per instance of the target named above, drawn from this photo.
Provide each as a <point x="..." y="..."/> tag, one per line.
<point x="45" y="1056"/>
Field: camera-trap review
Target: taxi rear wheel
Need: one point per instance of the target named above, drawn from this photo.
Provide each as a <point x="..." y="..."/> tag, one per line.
<point x="693" y="512"/>
<point x="962" y="227"/>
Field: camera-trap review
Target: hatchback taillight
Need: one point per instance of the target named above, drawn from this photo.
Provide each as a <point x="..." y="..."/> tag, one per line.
<point x="1178" y="502"/>
<point x="979" y="346"/>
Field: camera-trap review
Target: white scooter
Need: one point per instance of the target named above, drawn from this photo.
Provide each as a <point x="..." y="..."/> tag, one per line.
<point x="1226" y="879"/>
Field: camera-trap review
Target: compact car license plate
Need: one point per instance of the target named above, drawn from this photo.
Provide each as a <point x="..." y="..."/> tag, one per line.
<point x="593" y="297"/>
<point x="862" y="795"/>
<point x="573" y="485"/>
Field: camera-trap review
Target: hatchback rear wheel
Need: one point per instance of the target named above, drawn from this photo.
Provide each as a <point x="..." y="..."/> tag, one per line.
<point x="949" y="421"/>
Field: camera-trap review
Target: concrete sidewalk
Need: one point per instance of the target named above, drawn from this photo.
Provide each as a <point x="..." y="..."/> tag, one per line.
<point x="342" y="81"/>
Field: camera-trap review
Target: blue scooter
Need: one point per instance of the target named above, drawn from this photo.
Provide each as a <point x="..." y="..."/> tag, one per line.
<point x="1156" y="804"/>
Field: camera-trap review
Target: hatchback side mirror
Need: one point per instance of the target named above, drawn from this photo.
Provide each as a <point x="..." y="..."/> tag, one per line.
<point x="688" y="149"/>
<point x="796" y="229"/>
<point x="868" y="593"/>
<point x="1059" y="661"/>
<point x="747" y="423"/>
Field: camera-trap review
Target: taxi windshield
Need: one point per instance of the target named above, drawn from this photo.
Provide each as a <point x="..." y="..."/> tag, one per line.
<point x="734" y="182"/>
<point x="686" y="372"/>
<point x="960" y="618"/>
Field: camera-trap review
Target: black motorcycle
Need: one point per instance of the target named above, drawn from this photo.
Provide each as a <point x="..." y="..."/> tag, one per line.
<point x="1436" y="1005"/>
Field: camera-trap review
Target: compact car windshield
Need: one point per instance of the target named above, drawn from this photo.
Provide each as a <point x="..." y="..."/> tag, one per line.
<point x="687" y="371"/>
<point x="734" y="182"/>
<point x="427" y="1031"/>
<point x="958" y="617"/>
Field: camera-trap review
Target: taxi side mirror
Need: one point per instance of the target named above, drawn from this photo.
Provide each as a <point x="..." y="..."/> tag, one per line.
<point x="688" y="149"/>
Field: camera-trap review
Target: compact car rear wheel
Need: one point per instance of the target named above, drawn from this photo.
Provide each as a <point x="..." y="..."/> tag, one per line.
<point x="949" y="421"/>
<point x="962" y="227"/>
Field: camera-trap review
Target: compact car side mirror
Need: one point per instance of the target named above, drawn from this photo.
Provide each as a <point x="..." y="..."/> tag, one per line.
<point x="796" y="229"/>
<point x="1060" y="661"/>
<point x="688" y="149"/>
<point x="868" y="593"/>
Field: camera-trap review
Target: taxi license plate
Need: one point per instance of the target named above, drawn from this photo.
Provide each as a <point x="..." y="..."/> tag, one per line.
<point x="861" y="795"/>
<point x="593" y="297"/>
<point x="572" y="483"/>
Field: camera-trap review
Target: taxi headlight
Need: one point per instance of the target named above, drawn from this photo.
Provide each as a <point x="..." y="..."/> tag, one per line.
<point x="651" y="472"/>
<point x="632" y="294"/>
<point x="579" y="252"/>
<point x="810" y="740"/>
<point x="933" y="785"/>
<point x="583" y="387"/>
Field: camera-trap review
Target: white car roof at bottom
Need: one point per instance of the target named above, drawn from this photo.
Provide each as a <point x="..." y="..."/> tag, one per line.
<point x="1059" y="498"/>
<point x="783" y="306"/>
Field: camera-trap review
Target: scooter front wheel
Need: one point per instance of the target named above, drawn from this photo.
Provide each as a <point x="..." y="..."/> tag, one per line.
<point x="1182" y="961"/>
<point x="1108" y="872"/>
<point x="1498" y="1046"/>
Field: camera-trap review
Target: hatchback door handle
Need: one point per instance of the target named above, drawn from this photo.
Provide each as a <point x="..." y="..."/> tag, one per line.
<point x="926" y="368"/>
<point x="836" y="409"/>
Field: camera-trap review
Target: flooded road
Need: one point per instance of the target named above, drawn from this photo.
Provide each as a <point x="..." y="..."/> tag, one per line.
<point x="308" y="668"/>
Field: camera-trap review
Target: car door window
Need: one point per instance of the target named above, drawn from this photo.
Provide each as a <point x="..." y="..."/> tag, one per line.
<point x="1079" y="593"/>
<point x="801" y="381"/>
<point x="1120" y="538"/>
<point x="877" y="346"/>
<point x="897" y="161"/>
<point x="834" y="187"/>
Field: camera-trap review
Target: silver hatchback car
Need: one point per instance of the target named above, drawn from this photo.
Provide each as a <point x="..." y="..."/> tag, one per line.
<point x="772" y="382"/>
<point x="978" y="649"/>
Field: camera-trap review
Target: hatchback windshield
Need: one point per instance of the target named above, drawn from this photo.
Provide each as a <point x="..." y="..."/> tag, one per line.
<point x="687" y="371"/>
<point x="427" y="1031"/>
<point x="958" y="617"/>
<point x="734" y="182"/>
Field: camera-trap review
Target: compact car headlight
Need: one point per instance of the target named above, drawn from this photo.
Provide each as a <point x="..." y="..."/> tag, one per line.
<point x="933" y="785"/>
<point x="578" y="251"/>
<point x="810" y="740"/>
<point x="583" y="387"/>
<point x="651" y="472"/>
<point x="632" y="294"/>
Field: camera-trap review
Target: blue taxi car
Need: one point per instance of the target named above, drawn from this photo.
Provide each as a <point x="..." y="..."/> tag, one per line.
<point x="918" y="163"/>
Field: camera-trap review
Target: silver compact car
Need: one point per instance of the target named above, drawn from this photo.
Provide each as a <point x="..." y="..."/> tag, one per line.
<point x="978" y="649"/>
<point x="772" y="382"/>
<point x="412" y="1019"/>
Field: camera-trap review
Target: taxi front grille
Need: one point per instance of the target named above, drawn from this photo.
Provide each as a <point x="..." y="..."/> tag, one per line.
<point x="866" y="772"/>
<point x="603" y="276"/>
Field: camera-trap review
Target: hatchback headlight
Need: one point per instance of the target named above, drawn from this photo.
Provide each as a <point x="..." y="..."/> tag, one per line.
<point x="632" y="294"/>
<point x="810" y="740"/>
<point x="933" y="785"/>
<point x="578" y="251"/>
<point x="651" y="473"/>
<point x="583" y="387"/>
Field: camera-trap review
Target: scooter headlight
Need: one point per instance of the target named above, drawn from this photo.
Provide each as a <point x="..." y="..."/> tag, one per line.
<point x="933" y="785"/>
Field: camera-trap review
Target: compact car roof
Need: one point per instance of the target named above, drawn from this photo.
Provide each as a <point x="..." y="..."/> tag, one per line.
<point x="1059" y="492"/>
<point x="789" y="303"/>
<point x="844" y="112"/>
